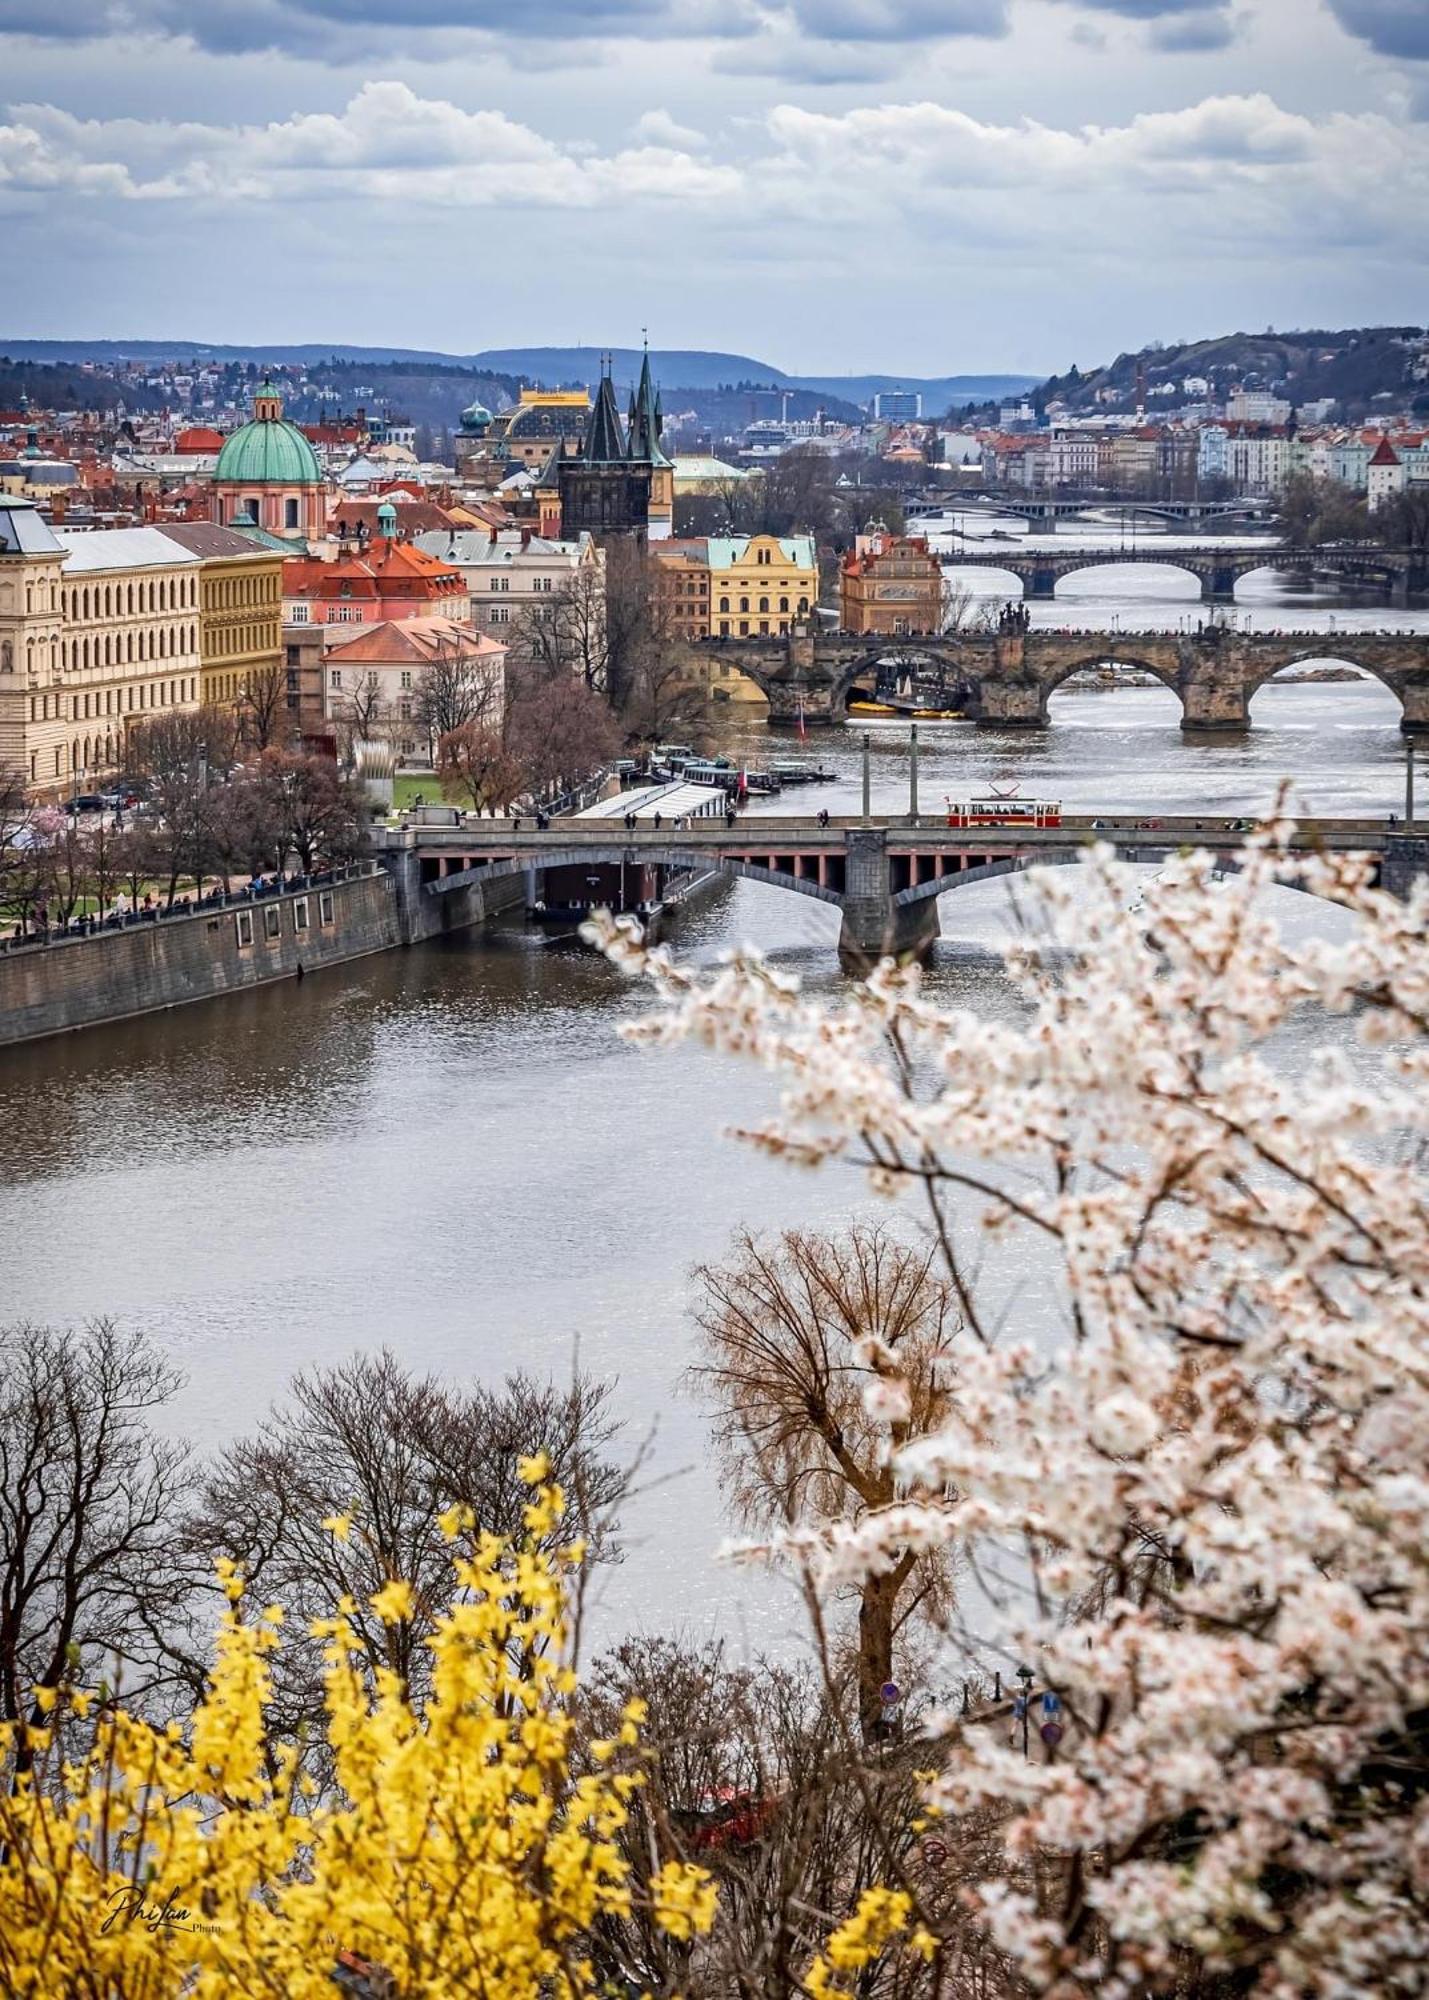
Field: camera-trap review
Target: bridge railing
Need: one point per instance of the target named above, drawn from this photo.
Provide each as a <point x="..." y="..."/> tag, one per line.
<point x="778" y="833"/>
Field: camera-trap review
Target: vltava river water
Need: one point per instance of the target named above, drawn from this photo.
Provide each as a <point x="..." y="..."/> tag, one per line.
<point x="447" y="1150"/>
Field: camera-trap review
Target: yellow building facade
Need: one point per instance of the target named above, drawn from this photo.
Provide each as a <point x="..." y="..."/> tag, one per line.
<point x="761" y="586"/>
<point x="240" y="610"/>
<point x="97" y="631"/>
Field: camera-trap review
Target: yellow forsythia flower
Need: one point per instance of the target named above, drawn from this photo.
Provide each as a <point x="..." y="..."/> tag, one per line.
<point x="684" y="1899"/>
<point x="457" y="1848"/>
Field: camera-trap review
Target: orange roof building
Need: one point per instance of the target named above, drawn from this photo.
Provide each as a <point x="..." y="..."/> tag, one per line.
<point x="389" y="580"/>
<point x="372" y="678"/>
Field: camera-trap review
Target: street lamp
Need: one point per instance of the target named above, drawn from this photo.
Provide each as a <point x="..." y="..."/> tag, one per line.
<point x="1023" y="1705"/>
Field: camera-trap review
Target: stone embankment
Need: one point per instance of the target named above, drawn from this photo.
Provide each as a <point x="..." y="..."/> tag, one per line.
<point x="79" y="982"/>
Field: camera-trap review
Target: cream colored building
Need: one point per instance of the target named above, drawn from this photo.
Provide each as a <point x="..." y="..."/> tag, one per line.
<point x="97" y="631"/>
<point x="514" y="574"/>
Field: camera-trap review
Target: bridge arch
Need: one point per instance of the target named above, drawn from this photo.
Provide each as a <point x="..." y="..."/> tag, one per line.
<point x="941" y="653"/>
<point x="613" y="854"/>
<point x="1321" y="656"/>
<point x="1105" y="657"/>
<point x="1065" y="857"/>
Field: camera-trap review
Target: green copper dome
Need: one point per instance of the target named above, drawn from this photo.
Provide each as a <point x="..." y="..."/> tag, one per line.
<point x="269" y="451"/>
<point x="476" y="417"/>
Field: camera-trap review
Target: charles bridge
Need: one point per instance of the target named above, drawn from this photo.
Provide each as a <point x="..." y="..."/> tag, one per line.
<point x="1006" y="676"/>
<point x="884" y="875"/>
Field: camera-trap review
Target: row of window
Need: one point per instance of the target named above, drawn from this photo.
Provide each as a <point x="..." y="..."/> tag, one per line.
<point x="245" y="638"/>
<point x="114" y="701"/>
<point x="122" y="649"/>
<point x="130" y="600"/>
<point x="231" y="593"/>
<point x="273" y="919"/>
<point x="765" y="604"/>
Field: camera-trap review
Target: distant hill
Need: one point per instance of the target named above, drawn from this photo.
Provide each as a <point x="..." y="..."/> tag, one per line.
<point x="676" y="368"/>
<point x="701" y="368"/>
<point x="1355" y="366"/>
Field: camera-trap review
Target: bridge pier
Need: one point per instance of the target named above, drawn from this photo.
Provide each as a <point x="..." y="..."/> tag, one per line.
<point x="1218" y="586"/>
<point x="1405" y="860"/>
<point x="874" y="926"/>
<point x="1041" y="583"/>
<point x="1413" y="692"/>
<point x="1218" y="704"/>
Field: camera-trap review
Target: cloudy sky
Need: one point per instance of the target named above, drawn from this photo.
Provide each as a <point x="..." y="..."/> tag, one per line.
<point x="925" y="186"/>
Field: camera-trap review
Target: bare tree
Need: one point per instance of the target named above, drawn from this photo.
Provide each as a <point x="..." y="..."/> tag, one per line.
<point x="89" y="1512"/>
<point x="558" y="730"/>
<point x="179" y="761"/>
<point x="365" y="708"/>
<point x="385" y="1454"/>
<point x="755" y="1773"/>
<point x="571" y="631"/>
<point x="476" y="762"/>
<point x="962" y="609"/>
<point x="264" y="720"/>
<point x="795" y="1333"/>
<point x="458" y="687"/>
<point x="304" y="806"/>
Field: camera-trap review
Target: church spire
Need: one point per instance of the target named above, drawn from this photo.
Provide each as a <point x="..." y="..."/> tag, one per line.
<point x="604" y="443"/>
<point x="646" y="421"/>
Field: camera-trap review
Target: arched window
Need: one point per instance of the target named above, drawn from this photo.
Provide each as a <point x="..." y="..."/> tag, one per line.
<point x="129" y="601"/>
<point x="764" y="603"/>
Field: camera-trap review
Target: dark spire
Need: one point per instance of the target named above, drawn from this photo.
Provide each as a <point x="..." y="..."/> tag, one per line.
<point x="604" y="443"/>
<point x="645" y="419"/>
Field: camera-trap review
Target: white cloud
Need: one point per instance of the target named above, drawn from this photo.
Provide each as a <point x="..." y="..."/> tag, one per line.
<point x="1231" y="178"/>
<point x="658" y="128"/>
<point x="388" y="146"/>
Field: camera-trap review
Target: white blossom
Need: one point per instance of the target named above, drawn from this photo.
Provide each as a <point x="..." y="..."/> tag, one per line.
<point x="1215" y="1487"/>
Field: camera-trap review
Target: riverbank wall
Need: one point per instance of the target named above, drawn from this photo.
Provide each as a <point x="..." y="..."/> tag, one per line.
<point x="81" y="982"/>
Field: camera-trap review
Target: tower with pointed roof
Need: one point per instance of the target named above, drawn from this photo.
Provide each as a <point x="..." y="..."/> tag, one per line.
<point x="605" y="488"/>
<point x="643" y="446"/>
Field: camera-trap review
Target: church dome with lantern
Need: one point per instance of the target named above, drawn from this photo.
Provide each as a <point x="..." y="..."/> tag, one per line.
<point x="268" y="470"/>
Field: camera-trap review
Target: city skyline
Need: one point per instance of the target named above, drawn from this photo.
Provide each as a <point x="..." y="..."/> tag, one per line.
<point x="1016" y="183"/>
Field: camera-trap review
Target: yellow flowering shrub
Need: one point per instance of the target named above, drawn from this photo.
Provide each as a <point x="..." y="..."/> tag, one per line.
<point x="460" y="1851"/>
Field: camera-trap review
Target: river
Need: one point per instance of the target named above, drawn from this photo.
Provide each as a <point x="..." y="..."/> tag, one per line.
<point x="449" y="1151"/>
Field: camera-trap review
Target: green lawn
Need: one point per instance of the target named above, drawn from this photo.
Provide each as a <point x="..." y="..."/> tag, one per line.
<point x="407" y="784"/>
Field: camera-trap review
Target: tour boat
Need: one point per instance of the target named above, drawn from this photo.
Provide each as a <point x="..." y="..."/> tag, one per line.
<point x="791" y="771"/>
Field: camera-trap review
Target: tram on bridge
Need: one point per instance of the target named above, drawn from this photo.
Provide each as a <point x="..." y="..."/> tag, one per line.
<point x="1004" y="812"/>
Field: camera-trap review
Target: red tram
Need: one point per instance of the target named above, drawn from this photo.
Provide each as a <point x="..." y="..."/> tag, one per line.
<point x="1004" y="812"/>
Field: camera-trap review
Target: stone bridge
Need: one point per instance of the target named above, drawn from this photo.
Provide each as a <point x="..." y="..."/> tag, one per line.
<point x="1006" y="676"/>
<point x="884" y="876"/>
<point x="1046" y="510"/>
<point x="1218" y="569"/>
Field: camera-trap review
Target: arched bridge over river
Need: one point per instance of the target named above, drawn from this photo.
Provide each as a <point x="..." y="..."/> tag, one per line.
<point x="1007" y="676"/>
<point x="884" y="876"/>
<point x="1218" y="567"/>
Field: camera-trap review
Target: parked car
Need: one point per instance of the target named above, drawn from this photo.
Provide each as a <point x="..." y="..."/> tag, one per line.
<point x="87" y="802"/>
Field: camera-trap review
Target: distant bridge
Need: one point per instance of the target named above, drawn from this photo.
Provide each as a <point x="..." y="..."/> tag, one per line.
<point x="884" y="875"/>
<point x="1045" y="510"/>
<point x="1007" y="676"/>
<point x="1218" y="569"/>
